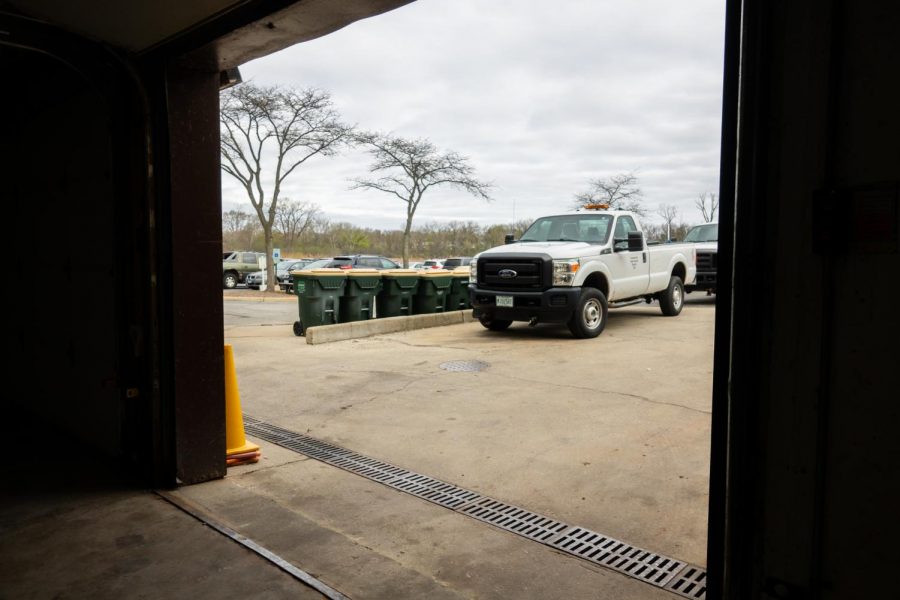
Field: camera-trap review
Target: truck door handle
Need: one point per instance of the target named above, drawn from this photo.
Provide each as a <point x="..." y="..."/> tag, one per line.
<point x="644" y="254"/>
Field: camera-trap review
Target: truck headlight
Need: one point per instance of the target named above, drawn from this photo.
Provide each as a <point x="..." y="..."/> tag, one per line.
<point x="473" y="271"/>
<point x="564" y="271"/>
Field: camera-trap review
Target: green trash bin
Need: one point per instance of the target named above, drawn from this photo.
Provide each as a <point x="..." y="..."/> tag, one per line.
<point x="358" y="301"/>
<point x="318" y="293"/>
<point x="431" y="296"/>
<point x="398" y="288"/>
<point x="458" y="294"/>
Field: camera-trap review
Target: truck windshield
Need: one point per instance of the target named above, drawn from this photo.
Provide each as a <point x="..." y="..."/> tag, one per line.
<point x="703" y="233"/>
<point x="592" y="229"/>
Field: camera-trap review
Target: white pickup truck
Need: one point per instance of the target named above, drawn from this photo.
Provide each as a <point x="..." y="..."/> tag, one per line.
<point x="571" y="268"/>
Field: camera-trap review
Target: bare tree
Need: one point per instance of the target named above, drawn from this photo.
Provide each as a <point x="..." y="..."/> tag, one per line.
<point x="707" y="203"/>
<point x="619" y="191"/>
<point x="409" y="168"/>
<point x="294" y="218"/>
<point x="282" y="126"/>
<point x="239" y="229"/>
<point x="235" y="221"/>
<point x="668" y="212"/>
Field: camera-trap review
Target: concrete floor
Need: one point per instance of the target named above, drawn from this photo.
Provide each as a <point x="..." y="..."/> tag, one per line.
<point x="611" y="434"/>
<point x="72" y="528"/>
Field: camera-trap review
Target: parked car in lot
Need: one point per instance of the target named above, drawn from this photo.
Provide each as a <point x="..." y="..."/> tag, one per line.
<point x="236" y="265"/>
<point x="432" y="263"/>
<point x="282" y="272"/>
<point x="706" y="242"/>
<point x="357" y="261"/>
<point x="457" y="261"/>
<point x="417" y="265"/>
<point x="361" y="261"/>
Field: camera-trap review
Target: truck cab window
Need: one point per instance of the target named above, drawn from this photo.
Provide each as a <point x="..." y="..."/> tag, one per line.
<point x="624" y="226"/>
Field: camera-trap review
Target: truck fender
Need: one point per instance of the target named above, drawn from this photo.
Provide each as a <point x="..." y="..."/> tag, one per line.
<point x="596" y="274"/>
<point x="682" y="265"/>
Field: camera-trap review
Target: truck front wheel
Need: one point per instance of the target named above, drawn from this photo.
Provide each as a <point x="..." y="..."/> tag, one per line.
<point x="494" y="324"/>
<point x="590" y="314"/>
<point x="672" y="299"/>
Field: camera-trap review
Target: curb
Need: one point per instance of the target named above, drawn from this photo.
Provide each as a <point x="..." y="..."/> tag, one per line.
<point x="287" y="298"/>
<point x="324" y="334"/>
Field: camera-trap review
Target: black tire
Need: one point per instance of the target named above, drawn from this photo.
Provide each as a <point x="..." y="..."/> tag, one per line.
<point x="229" y="281"/>
<point x="671" y="301"/>
<point x="298" y="328"/>
<point x="591" y="312"/>
<point x="494" y="324"/>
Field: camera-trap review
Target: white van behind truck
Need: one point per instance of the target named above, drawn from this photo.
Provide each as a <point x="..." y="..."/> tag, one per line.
<point x="571" y="268"/>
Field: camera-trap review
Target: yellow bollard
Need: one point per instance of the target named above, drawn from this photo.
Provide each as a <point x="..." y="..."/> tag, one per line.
<point x="238" y="450"/>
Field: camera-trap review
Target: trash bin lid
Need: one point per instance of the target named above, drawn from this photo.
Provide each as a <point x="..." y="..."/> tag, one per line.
<point x="462" y="271"/>
<point x="328" y="271"/>
<point x="323" y="271"/>
<point x="400" y="273"/>
<point x="363" y="273"/>
<point x="431" y="274"/>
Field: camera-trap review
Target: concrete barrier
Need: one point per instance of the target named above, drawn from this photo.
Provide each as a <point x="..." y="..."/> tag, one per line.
<point x="359" y="329"/>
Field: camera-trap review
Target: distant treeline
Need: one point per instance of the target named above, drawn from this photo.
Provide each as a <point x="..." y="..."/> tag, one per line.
<point x="326" y="238"/>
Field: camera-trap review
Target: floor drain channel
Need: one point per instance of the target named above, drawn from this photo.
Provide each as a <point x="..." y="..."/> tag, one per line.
<point x="656" y="569"/>
<point x="464" y="365"/>
<point x="416" y="484"/>
<point x="609" y="552"/>
<point x="515" y="519"/>
<point x="690" y="583"/>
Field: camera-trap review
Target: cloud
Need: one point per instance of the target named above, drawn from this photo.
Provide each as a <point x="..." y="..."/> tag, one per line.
<point x="541" y="96"/>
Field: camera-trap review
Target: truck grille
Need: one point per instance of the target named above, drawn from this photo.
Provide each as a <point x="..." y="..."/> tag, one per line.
<point x="514" y="273"/>
<point x="707" y="261"/>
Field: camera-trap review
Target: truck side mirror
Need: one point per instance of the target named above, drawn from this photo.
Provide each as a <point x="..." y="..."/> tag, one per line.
<point x="635" y="241"/>
<point x="510" y="238"/>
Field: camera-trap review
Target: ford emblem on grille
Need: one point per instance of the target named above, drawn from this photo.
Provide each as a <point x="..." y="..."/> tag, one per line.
<point x="507" y="273"/>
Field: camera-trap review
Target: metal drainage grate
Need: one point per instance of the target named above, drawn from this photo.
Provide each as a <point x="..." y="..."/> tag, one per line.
<point x="464" y="365"/>
<point x="656" y="569"/>
<point x="690" y="583"/>
<point x="416" y="484"/>
<point x="515" y="519"/>
<point x="434" y="490"/>
<point x="609" y="552"/>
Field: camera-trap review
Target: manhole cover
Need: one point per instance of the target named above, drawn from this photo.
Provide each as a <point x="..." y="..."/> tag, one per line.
<point x="464" y="365"/>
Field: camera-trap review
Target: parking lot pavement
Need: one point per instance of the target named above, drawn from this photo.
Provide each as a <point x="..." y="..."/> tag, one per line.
<point x="280" y="309"/>
<point x="611" y="434"/>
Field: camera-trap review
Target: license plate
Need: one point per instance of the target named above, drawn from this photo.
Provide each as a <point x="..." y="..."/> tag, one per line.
<point x="504" y="301"/>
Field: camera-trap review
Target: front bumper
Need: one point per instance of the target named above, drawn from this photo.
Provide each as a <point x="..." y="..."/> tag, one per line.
<point x="704" y="281"/>
<point x="554" y="305"/>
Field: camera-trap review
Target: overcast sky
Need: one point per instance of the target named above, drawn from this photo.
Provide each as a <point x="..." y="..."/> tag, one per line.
<point x="541" y="96"/>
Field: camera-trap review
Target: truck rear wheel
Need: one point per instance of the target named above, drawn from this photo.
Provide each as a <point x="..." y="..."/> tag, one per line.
<point x="671" y="300"/>
<point x="590" y="315"/>
<point x="494" y="324"/>
<point x="229" y="280"/>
